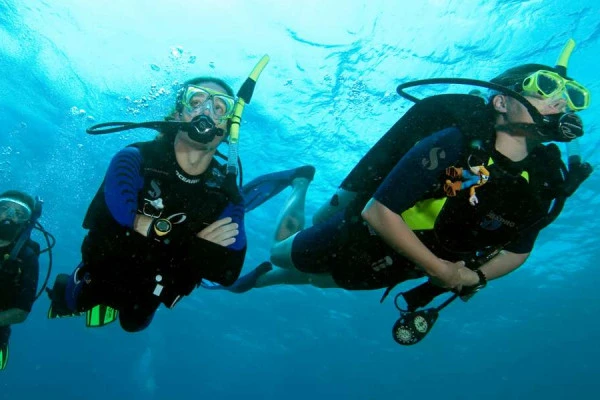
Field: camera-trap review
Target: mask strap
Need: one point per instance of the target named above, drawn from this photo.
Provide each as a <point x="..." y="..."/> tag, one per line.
<point x="537" y="117"/>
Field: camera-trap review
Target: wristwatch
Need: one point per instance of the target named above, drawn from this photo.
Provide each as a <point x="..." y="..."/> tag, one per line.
<point x="482" y="279"/>
<point x="162" y="227"/>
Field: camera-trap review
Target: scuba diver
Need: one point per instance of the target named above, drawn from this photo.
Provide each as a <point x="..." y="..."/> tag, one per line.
<point x="19" y="264"/>
<point x="456" y="191"/>
<point x="168" y="214"/>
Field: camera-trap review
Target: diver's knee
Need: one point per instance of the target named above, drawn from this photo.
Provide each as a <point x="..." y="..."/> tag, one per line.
<point x="277" y="259"/>
<point x="281" y="253"/>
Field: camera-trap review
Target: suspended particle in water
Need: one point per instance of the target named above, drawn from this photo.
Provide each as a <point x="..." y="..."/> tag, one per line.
<point x="211" y="64"/>
<point x="176" y="51"/>
<point x="192" y="60"/>
<point x="155" y="67"/>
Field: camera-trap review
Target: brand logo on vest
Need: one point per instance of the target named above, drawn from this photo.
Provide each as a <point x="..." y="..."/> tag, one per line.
<point x="494" y="221"/>
<point x="153" y="207"/>
<point x="155" y="192"/>
<point x="435" y="154"/>
<point x="186" y="180"/>
<point x="382" y="264"/>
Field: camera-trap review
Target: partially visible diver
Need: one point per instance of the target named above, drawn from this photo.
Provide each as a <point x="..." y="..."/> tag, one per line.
<point x="456" y="191"/>
<point x="19" y="262"/>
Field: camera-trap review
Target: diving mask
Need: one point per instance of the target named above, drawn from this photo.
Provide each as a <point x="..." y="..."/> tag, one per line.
<point x="219" y="105"/>
<point x="561" y="127"/>
<point x="14" y="214"/>
<point x="549" y="84"/>
<point x="14" y="210"/>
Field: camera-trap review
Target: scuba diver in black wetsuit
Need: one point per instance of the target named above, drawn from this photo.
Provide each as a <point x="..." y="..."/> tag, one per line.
<point x="168" y="215"/>
<point x="19" y="262"/>
<point x="164" y="218"/>
<point x="409" y="209"/>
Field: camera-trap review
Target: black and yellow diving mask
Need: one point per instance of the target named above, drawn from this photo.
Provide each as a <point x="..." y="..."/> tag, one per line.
<point x="550" y="84"/>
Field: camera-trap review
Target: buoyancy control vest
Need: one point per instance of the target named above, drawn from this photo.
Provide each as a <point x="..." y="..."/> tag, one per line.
<point x="12" y="271"/>
<point x="535" y="183"/>
<point x="121" y="257"/>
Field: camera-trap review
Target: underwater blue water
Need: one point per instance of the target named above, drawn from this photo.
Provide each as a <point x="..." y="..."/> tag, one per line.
<point x="327" y="94"/>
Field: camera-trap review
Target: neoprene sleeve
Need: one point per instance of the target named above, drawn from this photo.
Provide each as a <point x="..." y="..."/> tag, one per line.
<point x="123" y="183"/>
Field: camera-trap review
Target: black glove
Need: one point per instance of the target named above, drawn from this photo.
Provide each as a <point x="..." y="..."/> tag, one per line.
<point x="578" y="173"/>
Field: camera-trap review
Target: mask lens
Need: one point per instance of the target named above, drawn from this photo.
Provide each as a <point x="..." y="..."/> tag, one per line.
<point x="195" y="97"/>
<point x="15" y="212"/>
<point x="547" y="84"/>
<point x="577" y="95"/>
<point x="221" y="107"/>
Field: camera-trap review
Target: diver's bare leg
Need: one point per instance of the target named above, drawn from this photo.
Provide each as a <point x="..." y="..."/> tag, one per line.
<point x="281" y="253"/>
<point x="291" y="221"/>
<point x="281" y="256"/>
<point x="279" y="276"/>
<point x="292" y="218"/>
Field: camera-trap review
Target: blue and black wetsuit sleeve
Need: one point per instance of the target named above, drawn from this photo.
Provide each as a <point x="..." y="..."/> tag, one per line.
<point x="222" y="264"/>
<point x="30" y="270"/>
<point x="237" y="214"/>
<point x="418" y="172"/>
<point x="122" y="185"/>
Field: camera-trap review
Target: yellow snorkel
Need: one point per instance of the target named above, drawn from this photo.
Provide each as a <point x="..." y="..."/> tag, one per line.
<point x="244" y="96"/>
<point x="562" y="63"/>
<point x="563" y="59"/>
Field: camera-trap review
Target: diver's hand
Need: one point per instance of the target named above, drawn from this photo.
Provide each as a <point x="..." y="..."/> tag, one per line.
<point x="455" y="277"/>
<point x="221" y="232"/>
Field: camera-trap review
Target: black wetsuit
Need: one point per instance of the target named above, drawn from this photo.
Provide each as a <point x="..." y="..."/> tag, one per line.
<point x="509" y="205"/>
<point x="133" y="273"/>
<point x="18" y="282"/>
